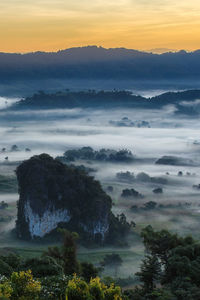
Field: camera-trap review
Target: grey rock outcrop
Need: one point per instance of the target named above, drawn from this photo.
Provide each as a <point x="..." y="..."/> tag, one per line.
<point x="52" y="193"/>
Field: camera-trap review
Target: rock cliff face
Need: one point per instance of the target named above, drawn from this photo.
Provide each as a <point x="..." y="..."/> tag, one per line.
<point x="52" y="193"/>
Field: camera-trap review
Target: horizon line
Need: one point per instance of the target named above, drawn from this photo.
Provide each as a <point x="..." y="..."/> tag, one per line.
<point x="156" y="51"/>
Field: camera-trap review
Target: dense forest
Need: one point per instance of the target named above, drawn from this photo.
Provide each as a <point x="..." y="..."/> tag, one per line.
<point x="170" y="270"/>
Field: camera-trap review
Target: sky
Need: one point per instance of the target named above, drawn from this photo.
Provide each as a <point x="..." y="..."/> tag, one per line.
<point x="51" y="25"/>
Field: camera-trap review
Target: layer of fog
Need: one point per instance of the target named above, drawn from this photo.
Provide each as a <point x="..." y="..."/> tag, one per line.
<point x="6" y="102"/>
<point x="56" y="131"/>
<point x="28" y="87"/>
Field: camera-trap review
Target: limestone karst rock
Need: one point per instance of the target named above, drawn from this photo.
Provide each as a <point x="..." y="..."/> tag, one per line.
<point x="51" y="193"/>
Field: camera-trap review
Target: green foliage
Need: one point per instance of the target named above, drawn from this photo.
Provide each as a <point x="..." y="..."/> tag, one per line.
<point x="88" y="271"/>
<point x="24" y="286"/>
<point x="53" y="287"/>
<point x="13" y="260"/>
<point x="150" y="272"/>
<point x="45" y="266"/>
<point x="173" y="263"/>
<point x="160" y="243"/>
<point x="119" y="229"/>
<point x="134" y="294"/>
<point x="5" y="290"/>
<point x="125" y="281"/>
<point x="160" y="294"/>
<point x="78" y="289"/>
<point x="20" y="286"/>
<point x="71" y="264"/>
<point x="66" y="256"/>
<point x="5" y="269"/>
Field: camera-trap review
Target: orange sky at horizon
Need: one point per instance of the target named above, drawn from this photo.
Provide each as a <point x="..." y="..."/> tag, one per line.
<point x="49" y="25"/>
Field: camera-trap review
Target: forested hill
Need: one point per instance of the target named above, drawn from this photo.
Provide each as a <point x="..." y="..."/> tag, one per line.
<point x="103" y="99"/>
<point x="89" y="98"/>
<point x="175" y="97"/>
<point x="99" y="63"/>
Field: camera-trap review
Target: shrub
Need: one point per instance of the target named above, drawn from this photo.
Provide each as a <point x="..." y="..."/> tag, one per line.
<point x="20" y="286"/>
<point x="77" y="289"/>
<point x="54" y="287"/>
<point x="5" y="269"/>
<point x="5" y="290"/>
<point x="88" y="271"/>
<point x="24" y="286"/>
<point x="96" y="290"/>
<point x="44" y="266"/>
<point x="13" y="260"/>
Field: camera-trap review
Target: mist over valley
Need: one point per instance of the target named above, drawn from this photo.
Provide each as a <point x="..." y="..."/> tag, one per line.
<point x="156" y="184"/>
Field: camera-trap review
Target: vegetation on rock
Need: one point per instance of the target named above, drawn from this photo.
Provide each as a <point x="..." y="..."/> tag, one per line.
<point x="54" y="194"/>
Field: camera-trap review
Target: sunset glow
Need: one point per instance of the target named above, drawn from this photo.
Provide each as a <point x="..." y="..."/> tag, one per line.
<point x="27" y="25"/>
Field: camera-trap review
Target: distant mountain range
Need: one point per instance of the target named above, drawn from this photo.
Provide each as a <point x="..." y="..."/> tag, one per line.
<point x="99" y="63"/>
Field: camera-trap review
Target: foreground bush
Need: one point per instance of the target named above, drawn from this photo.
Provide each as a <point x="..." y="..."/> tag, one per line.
<point x="20" y="286"/>
<point x="95" y="290"/>
<point x="54" y="287"/>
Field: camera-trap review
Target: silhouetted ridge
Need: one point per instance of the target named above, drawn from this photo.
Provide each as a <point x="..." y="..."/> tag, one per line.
<point x="99" y="63"/>
<point x="110" y="99"/>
